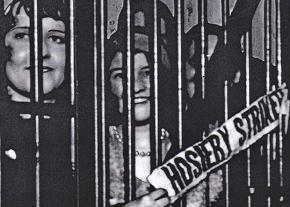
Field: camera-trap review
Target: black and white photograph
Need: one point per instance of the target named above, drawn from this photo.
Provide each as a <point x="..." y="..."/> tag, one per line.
<point x="144" y="103"/>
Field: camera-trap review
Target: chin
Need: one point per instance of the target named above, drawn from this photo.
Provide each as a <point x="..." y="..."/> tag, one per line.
<point x="24" y="87"/>
<point x="142" y="118"/>
<point x="142" y="113"/>
<point x="49" y="86"/>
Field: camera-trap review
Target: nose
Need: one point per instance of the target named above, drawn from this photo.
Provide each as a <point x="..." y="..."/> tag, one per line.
<point x="139" y="84"/>
<point x="45" y="50"/>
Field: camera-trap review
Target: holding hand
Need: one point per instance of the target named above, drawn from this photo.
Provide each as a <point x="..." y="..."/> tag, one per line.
<point x="157" y="198"/>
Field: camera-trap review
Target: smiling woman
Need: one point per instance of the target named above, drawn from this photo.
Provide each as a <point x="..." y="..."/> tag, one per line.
<point x="142" y="102"/>
<point x="141" y="84"/>
<point x="40" y="170"/>
<point x="18" y="66"/>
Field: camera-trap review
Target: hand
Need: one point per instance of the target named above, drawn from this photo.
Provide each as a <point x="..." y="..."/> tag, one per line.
<point x="157" y="198"/>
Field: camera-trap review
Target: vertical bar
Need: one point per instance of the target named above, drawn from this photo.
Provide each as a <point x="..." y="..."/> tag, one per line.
<point x="129" y="144"/>
<point x="1" y="13"/>
<point x="73" y="143"/>
<point x="129" y="99"/>
<point x="204" y="50"/>
<point x="102" y="126"/>
<point x="37" y="78"/>
<point x="268" y="64"/>
<point x="37" y="181"/>
<point x="72" y="69"/>
<point x="203" y="55"/>
<point x="284" y="13"/>
<point x="180" y="75"/>
<point x="96" y="97"/>
<point x="227" y="166"/>
<point x="72" y="50"/>
<point x="225" y="15"/>
<point x="247" y="42"/>
<point x="180" y="5"/>
<point x="279" y="46"/>
<point x="279" y="68"/>
<point x="101" y="146"/>
<point x="0" y="162"/>
<point x="36" y="52"/>
<point x="267" y="49"/>
<point x="158" y="156"/>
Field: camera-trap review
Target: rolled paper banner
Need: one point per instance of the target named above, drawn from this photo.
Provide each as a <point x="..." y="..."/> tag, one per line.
<point x="191" y="166"/>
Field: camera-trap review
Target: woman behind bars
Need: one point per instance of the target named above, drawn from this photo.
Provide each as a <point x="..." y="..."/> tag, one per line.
<point x="18" y="144"/>
<point x="142" y="98"/>
<point x="227" y="62"/>
<point x="16" y="32"/>
<point x="143" y="66"/>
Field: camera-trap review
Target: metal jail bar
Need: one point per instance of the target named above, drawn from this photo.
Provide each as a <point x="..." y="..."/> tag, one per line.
<point x="225" y="15"/>
<point x="89" y="137"/>
<point x="1" y="14"/>
<point x="157" y="155"/>
<point x="203" y="21"/>
<point x="37" y="52"/>
<point x="248" y="52"/>
<point x="99" y="82"/>
<point x="268" y="63"/>
<point x="130" y="64"/>
<point x="129" y="135"/>
<point x="36" y="107"/>
<point x="247" y="40"/>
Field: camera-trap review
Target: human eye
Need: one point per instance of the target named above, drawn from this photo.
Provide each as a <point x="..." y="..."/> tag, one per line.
<point x="21" y="35"/>
<point x="118" y="75"/>
<point x="58" y="39"/>
<point x="146" y="72"/>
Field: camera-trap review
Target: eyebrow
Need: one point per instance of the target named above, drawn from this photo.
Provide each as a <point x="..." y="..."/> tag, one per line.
<point x="115" y="69"/>
<point x="19" y="28"/>
<point x="145" y="67"/>
<point x="56" y="30"/>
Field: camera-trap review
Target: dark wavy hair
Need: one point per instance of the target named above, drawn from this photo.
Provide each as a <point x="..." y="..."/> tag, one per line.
<point x="166" y="66"/>
<point x="47" y="8"/>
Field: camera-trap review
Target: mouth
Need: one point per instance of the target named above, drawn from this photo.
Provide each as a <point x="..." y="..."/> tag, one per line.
<point x="45" y="69"/>
<point x="141" y="100"/>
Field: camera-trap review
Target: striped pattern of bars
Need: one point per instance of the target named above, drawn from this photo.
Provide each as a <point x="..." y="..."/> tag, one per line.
<point x="85" y="38"/>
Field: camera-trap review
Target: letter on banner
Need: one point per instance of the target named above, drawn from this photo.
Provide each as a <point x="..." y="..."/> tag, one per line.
<point x="189" y="167"/>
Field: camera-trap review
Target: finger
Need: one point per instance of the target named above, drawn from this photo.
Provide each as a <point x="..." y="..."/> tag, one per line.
<point x="273" y="87"/>
<point x="158" y="194"/>
<point x="163" y="202"/>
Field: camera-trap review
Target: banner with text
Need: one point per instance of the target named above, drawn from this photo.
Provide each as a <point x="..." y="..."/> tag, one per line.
<point x="189" y="167"/>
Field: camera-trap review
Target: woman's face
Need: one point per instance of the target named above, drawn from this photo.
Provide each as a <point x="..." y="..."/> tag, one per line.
<point x="18" y="66"/>
<point x="141" y="84"/>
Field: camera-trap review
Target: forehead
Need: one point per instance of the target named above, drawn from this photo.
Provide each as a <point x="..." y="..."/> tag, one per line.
<point x="140" y="60"/>
<point x="49" y="23"/>
<point x="117" y="61"/>
<point x="23" y="20"/>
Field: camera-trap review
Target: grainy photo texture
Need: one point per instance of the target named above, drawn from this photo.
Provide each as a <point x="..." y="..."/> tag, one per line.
<point x="144" y="103"/>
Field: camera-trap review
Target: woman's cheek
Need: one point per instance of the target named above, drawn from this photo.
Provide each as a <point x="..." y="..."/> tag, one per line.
<point x="117" y="88"/>
<point x="21" y="56"/>
<point x="58" y="56"/>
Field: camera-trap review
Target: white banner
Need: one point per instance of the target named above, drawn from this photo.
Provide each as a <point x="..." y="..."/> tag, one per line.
<point x="189" y="167"/>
